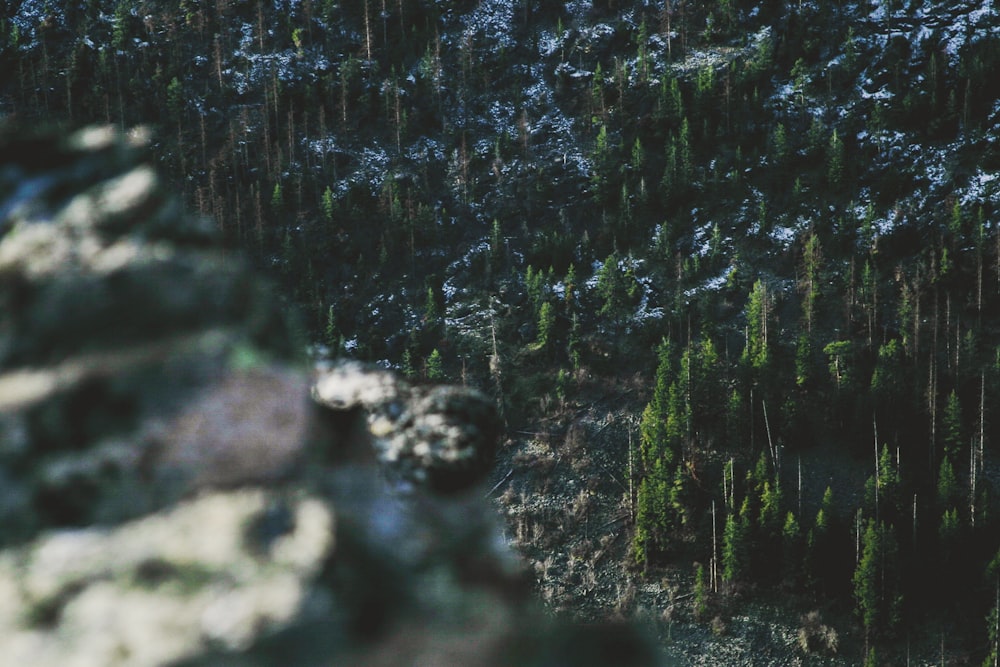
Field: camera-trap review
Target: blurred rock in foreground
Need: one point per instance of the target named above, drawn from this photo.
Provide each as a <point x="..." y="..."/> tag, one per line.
<point x="170" y="494"/>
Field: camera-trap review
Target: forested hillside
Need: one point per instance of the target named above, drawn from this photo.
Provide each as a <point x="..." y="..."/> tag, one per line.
<point x="760" y="237"/>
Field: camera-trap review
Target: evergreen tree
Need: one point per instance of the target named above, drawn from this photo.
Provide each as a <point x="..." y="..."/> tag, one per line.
<point x="434" y="367"/>
<point x="993" y="636"/>
<point x="277" y="199"/>
<point x="810" y="282"/>
<point x="758" y="309"/>
<point x="573" y="343"/>
<point x="841" y="362"/>
<point x="700" y="591"/>
<point x="615" y="288"/>
<point x="546" y="321"/>
<point x="791" y="550"/>
<point x="876" y="580"/>
<point x="430" y="308"/>
<point x="952" y="426"/>
<point x="949" y="493"/>
<point x="770" y="508"/>
<point x="175" y="99"/>
<point x="835" y="161"/>
<point x="779" y="144"/>
<point x="329" y="204"/>
<point x="736" y="544"/>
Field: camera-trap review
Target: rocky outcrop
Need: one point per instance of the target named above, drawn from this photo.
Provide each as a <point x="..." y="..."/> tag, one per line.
<point x="171" y="494"/>
<point x="443" y="438"/>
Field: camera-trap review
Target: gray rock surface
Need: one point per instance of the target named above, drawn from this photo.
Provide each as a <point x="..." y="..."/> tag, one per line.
<point x="170" y="495"/>
<point x="442" y="437"/>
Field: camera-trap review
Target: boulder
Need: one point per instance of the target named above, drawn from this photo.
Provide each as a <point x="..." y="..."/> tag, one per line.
<point x="175" y="489"/>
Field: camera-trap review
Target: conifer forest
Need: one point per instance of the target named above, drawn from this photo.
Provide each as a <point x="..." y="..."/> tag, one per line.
<point x="730" y="268"/>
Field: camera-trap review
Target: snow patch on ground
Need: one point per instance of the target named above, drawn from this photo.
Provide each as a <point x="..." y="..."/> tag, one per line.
<point x="493" y="21"/>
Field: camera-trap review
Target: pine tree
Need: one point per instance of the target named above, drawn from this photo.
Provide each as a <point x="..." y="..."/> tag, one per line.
<point x="434" y="367"/>
<point x="779" y="145"/>
<point x="993" y="636"/>
<point x="993" y="618"/>
<point x="949" y="494"/>
<point x="546" y="321"/>
<point x="736" y="545"/>
<point x="431" y="313"/>
<point x="733" y="557"/>
<point x="496" y="247"/>
<point x="835" y="161"/>
<point x="700" y="591"/>
<point x="791" y="549"/>
<point x="758" y="308"/>
<point x="810" y="282"/>
<point x="175" y="99"/>
<point x="770" y="508"/>
<point x="599" y="179"/>
<point x="277" y="199"/>
<point x="573" y="343"/>
<point x="952" y="426"/>
<point x="840" y="354"/>
<point x="329" y="204"/>
<point x="876" y="580"/>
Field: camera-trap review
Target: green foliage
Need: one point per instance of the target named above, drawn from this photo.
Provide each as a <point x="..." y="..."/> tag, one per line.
<point x="120" y="30"/>
<point x="841" y="358"/>
<point x="496" y="246"/>
<point x="949" y="493"/>
<point x="329" y="204"/>
<point x="791" y="549"/>
<point x="652" y="523"/>
<point x="573" y="343"/>
<point x="700" y="591"/>
<point x="951" y="426"/>
<point x="803" y="358"/>
<point x="770" y="507"/>
<point x="434" y="367"/>
<point x="835" y="161"/>
<point x="546" y="321"/>
<point x="332" y="336"/>
<point x="735" y="548"/>
<point x="888" y="374"/>
<point x="876" y="580"/>
<point x="277" y="198"/>
<point x="175" y="98"/>
<point x="949" y="527"/>
<point x="993" y="637"/>
<point x="563" y="383"/>
<point x="616" y="289"/>
<point x="758" y="312"/>
<point x="431" y="310"/>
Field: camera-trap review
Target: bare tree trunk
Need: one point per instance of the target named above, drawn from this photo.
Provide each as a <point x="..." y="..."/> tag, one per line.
<point x="982" y="418"/>
<point x="770" y="442"/>
<point x="877" y="472"/>
<point x="368" y="34"/>
<point x="800" y="488"/>
<point x="932" y="408"/>
<point x="715" y="552"/>
<point x="631" y="477"/>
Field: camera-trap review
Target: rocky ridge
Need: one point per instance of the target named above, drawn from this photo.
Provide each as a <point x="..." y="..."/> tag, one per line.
<point x="170" y="493"/>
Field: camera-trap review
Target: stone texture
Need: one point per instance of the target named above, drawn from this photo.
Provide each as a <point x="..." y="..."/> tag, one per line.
<point x="164" y="587"/>
<point x="169" y="494"/>
<point x="116" y="312"/>
<point x="443" y="438"/>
